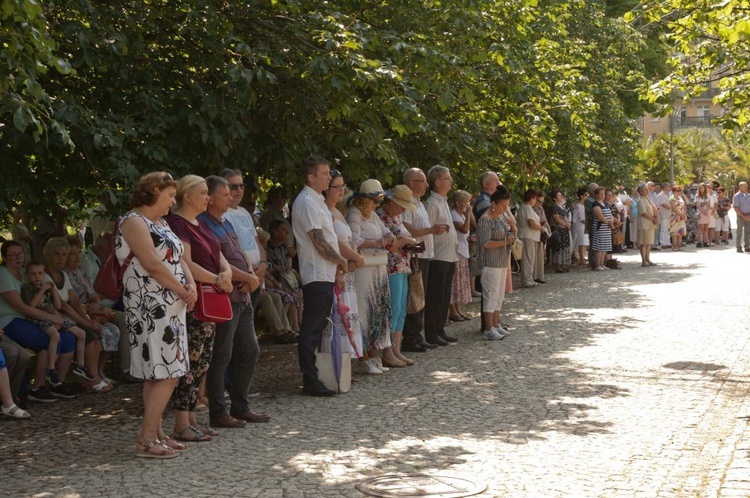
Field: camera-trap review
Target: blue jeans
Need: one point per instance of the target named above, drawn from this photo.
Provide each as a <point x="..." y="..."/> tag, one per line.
<point x="399" y="284"/>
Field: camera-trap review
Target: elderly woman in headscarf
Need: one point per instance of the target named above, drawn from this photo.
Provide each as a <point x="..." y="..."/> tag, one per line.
<point x="371" y="238"/>
<point x="396" y="202"/>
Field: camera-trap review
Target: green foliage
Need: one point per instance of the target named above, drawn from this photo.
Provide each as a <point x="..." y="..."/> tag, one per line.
<point x="710" y="45"/>
<point x="543" y="91"/>
<point x="699" y="155"/>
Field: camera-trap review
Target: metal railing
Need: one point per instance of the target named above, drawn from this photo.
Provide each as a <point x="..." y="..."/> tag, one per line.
<point x="693" y="121"/>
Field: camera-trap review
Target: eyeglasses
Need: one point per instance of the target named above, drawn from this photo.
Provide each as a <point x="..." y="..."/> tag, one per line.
<point x="342" y="186"/>
<point x="14" y="255"/>
<point x="236" y="186"/>
<point x="167" y="178"/>
<point x="418" y="181"/>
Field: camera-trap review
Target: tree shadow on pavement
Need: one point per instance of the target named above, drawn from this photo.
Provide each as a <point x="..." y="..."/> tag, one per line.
<point x="430" y="418"/>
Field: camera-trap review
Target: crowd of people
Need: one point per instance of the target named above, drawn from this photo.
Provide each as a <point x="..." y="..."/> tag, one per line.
<point x="380" y="270"/>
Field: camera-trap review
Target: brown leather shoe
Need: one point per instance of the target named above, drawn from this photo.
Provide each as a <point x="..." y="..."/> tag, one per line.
<point x="228" y="422"/>
<point x="252" y="417"/>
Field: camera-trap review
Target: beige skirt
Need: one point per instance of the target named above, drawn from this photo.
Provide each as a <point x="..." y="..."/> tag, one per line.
<point x="645" y="237"/>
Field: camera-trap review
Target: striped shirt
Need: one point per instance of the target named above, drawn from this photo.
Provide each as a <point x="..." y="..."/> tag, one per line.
<point x="489" y="229"/>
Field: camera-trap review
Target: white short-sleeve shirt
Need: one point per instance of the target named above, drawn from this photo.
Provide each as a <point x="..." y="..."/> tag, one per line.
<point x="310" y="212"/>
<point x="419" y="219"/>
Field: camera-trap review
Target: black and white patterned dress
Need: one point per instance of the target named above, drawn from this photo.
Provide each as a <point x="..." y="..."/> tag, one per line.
<point x="155" y="315"/>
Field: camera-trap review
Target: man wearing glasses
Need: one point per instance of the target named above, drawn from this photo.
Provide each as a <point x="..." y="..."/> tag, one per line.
<point x="243" y="224"/>
<point x="443" y="263"/>
<point x="419" y="226"/>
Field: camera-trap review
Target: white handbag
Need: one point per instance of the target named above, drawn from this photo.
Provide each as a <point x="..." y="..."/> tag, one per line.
<point x="374" y="256"/>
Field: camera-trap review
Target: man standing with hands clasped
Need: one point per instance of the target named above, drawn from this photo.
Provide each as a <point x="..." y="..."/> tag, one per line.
<point x="443" y="263"/>
<point x="236" y="347"/>
<point x="418" y="224"/>
<point x="321" y="266"/>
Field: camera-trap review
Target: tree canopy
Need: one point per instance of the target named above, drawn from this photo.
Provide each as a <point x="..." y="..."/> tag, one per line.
<point x="96" y="93"/>
<point x="710" y="47"/>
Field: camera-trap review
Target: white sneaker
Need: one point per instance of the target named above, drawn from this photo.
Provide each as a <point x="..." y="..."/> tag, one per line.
<point x="366" y="367"/>
<point x="493" y="335"/>
<point x="372" y="368"/>
<point x="378" y="362"/>
<point x="501" y="331"/>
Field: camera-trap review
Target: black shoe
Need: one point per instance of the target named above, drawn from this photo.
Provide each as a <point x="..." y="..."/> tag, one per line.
<point x="427" y="345"/>
<point x="441" y="342"/>
<point x="449" y="338"/>
<point x="739" y="249"/>
<point x="413" y="348"/>
<point x="41" y="395"/>
<point x="314" y="387"/>
<point x="62" y="391"/>
<point x="540" y="281"/>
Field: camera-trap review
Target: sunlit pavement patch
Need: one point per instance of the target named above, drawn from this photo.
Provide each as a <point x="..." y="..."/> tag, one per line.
<point x="420" y="485"/>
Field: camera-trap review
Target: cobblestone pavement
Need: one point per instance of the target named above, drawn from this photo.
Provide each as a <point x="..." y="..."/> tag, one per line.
<point x="628" y="383"/>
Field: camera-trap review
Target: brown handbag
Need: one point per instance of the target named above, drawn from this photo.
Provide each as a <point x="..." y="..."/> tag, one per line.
<point x="617" y="237"/>
<point x="415" y="296"/>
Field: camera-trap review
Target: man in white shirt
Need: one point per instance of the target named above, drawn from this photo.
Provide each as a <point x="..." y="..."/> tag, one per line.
<point x="321" y="266"/>
<point x="243" y="224"/>
<point x="443" y="262"/>
<point x="419" y="226"/>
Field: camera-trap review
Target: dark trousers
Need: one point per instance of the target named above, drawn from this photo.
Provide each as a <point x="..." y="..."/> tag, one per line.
<point x="437" y="299"/>
<point x="414" y="322"/>
<point x="318" y="299"/>
<point x="236" y="349"/>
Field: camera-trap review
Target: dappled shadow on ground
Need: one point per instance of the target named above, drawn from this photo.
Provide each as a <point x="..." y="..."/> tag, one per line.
<point x="427" y="418"/>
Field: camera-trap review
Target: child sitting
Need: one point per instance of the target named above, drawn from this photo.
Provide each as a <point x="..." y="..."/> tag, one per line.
<point x="42" y="295"/>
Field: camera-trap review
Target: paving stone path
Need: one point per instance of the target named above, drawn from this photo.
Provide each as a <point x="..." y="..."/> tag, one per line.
<point x="627" y="383"/>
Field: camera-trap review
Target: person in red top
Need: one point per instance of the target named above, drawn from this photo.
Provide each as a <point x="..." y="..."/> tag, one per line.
<point x="207" y="264"/>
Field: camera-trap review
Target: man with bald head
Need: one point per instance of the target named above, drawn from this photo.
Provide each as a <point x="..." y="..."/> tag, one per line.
<point x="419" y="226"/>
<point x="489" y="182"/>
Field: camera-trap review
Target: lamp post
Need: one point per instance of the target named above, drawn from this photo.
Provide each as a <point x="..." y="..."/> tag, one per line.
<point x="671" y="145"/>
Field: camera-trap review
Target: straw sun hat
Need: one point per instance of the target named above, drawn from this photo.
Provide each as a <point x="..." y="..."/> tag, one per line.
<point x="401" y="195"/>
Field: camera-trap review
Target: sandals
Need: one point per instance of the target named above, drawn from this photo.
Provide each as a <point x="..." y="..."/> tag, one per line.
<point x="198" y="435"/>
<point x="146" y="450"/>
<point x="207" y="429"/>
<point x="100" y="388"/>
<point x="14" y="411"/>
<point x="175" y="445"/>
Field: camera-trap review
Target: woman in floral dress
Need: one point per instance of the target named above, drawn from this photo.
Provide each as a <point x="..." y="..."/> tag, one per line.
<point x="158" y="289"/>
<point x="371" y="237"/>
